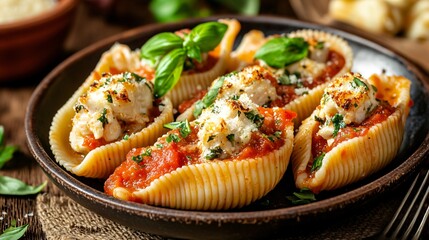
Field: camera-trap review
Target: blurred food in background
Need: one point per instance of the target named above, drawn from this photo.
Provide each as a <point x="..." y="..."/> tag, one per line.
<point x="12" y="10"/>
<point x="395" y="17"/>
<point x="173" y="10"/>
<point x="32" y="34"/>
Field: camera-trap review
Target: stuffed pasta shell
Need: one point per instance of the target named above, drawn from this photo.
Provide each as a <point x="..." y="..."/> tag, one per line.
<point x="233" y="154"/>
<point x="301" y="63"/>
<point x="355" y="131"/>
<point x="92" y="133"/>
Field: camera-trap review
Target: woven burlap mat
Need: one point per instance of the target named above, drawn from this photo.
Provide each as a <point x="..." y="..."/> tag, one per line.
<point x="62" y="219"/>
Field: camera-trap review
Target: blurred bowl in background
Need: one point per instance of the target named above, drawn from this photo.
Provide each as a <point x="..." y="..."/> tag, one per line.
<point x="29" y="45"/>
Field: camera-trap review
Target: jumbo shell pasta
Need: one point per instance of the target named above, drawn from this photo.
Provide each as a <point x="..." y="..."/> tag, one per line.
<point x="358" y="157"/>
<point x="217" y="185"/>
<point x="305" y="104"/>
<point x="189" y="84"/>
<point x="233" y="154"/>
<point x="101" y="161"/>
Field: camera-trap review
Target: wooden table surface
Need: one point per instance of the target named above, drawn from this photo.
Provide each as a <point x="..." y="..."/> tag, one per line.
<point x="14" y="99"/>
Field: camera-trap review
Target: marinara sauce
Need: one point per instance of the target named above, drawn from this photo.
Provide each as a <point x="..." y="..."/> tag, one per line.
<point x="142" y="166"/>
<point x="319" y="145"/>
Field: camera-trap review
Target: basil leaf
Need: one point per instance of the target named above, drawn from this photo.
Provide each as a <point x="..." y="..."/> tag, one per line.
<point x="317" y="162"/>
<point x="206" y="35"/>
<point x="282" y="51"/>
<point x="168" y="71"/>
<point x="246" y="7"/>
<point x="184" y="127"/>
<point x="209" y="98"/>
<point x="194" y="53"/>
<point x="1" y="135"/>
<point x="304" y="196"/>
<point x="338" y="122"/>
<point x="175" y="10"/>
<point x="13" y="232"/>
<point x="159" y="45"/>
<point x="15" y="187"/>
<point x="6" y="152"/>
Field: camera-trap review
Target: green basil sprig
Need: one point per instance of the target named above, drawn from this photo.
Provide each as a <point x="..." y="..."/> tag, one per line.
<point x="6" y="151"/>
<point x="13" y="232"/>
<point x="282" y="51"/>
<point x="15" y="187"/>
<point x="171" y="51"/>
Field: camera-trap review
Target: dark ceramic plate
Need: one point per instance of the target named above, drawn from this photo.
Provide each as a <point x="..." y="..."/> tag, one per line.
<point x="273" y="213"/>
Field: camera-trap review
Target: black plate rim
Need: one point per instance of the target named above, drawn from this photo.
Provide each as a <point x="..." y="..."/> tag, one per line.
<point x="69" y="184"/>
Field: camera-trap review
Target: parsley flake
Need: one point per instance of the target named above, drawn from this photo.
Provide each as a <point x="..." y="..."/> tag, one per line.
<point x="214" y="153"/>
<point x="304" y="196"/>
<point x="317" y="162"/>
<point x="338" y="122"/>
<point x="172" y="138"/>
<point x="255" y="118"/>
<point x="183" y="126"/>
<point x="359" y="83"/>
<point x="103" y="118"/>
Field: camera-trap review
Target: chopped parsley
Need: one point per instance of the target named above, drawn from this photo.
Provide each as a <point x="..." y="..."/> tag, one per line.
<point x="284" y="80"/>
<point x="318" y="119"/>
<point x="103" y="118"/>
<point x="317" y="162"/>
<point x="78" y="107"/>
<point x="214" y="153"/>
<point x="159" y="145"/>
<point x="255" y="118"/>
<point x="126" y="137"/>
<point x="230" y="137"/>
<point x="172" y="138"/>
<point x="139" y="158"/>
<point x="138" y="78"/>
<point x="338" y="122"/>
<point x="210" y="97"/>
<point x="235" y="97"/>
<point x="109" y="98"/>
<point x="211" y="137"/>
<point x="183" y="126"/>
<point x="357" y="129"/>
<point x="320" y="45"/>
<point x="359" y="83"/>
<point x="304" y="196"/>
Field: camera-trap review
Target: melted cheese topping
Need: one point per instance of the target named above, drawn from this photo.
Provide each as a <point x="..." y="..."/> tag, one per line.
<point x="111" y="105"/>
<point x="226" y="126"/>
<point x="251" y="81"/>
<point x="350" y="96"/>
